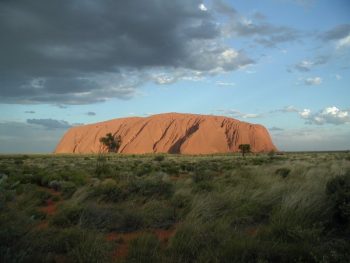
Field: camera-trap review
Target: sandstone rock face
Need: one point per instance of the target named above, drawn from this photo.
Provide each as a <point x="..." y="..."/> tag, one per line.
<point x="169" y="133"/>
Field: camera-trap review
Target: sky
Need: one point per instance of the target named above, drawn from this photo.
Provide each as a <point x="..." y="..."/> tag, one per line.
<point x="284" y="64"/>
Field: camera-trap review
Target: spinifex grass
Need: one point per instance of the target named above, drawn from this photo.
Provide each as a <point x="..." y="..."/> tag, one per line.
<point x="173" y="208"/>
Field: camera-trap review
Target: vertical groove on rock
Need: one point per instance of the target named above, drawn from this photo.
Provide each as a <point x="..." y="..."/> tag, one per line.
<point x="177" y="145"/>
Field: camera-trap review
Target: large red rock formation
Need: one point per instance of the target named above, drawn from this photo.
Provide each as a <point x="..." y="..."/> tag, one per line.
<point x="169" y="133"/>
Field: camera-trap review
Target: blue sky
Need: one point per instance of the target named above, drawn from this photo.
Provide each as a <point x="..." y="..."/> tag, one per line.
<point x="281" y="63"/>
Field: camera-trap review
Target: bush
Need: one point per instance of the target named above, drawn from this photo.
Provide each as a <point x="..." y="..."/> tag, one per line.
<point x="108" y="193"/>
<point x="283" y="172"/>
<point x="132" y="220"/>
<point x="338" y="189"/>
<point x="151" y="187"/>
<point x="67" y="216"/>
<point x="145" y="248"/>
<point x="68" y="189"/>
<point x="159" y="158"/>
<point x="101" y="217"/>
<point x="202" y="175"/>
<point x="91" y="248"/>
<point x="158" y="214"/>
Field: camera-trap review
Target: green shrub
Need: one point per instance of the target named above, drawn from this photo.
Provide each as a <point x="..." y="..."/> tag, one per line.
<point x="283" y="172"/>
<point x="159" y="158"/>
<point x="68" y="189"/>
<point x="158" y="214"/>
<point x="108" y="193"/>
<point x="143" y="169"/>
<point x="42" y="196"/>
<point x="36" y="214"/>
<point x="67" y="216"/>
<point x="104" y="218"/>
<point x="132" y="220"/>
<point x="91" y="248"/>
<point x="151" y="187"/>
<point x="145" y="248"/>
<point x="338" y="189"/>
<point x="202" y="175"/>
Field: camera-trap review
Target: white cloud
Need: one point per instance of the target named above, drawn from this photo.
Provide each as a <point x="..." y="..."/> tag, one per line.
<point x="203" y="7"/>
<point x="305" y="65"/>
<point x="169" y="77"/>
<point x="225" y="84"/>
<point x="344" y="42"/>
<point x="338" y="77"/>
<point x="289" y="109"/>
<point x="238" y="114"/>
<point x="305" y="113"/>
<point x="313" y="81"/>
<point x="163" y="79"/>
<point x="228" y="55"/>
<point x="330" y="115"/>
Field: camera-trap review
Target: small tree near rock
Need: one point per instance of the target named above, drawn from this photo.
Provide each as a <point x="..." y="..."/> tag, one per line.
<point x="245" y="148"/>
<point x="112" y="143"/>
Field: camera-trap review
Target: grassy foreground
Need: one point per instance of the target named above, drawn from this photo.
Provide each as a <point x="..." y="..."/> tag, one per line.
<point x="169" y="208"/>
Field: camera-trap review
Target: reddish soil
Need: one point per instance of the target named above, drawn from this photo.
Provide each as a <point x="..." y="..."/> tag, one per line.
<point x="164" y="234"/>
<point x="252" y="231"/>
<point x="124" y="239"/>
<point x="50" y="208"/>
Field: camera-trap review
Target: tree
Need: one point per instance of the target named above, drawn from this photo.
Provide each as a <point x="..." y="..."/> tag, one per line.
<point x="245" y="148"/>
<point x="111" y="142"/>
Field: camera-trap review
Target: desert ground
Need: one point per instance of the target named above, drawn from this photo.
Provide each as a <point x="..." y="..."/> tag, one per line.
<point x="290" y="207"/>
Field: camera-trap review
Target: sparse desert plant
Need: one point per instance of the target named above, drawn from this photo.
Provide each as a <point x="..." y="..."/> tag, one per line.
<point x="159" y="158"/>
<point x="145" y="248"/>
<point x="244" y="148"/>
<point x="338" y="189"/>
<point x="283" y="172"/>
<point x="67" y="216"/>
<point x="215" y="208"/>
<point x="111" y="142"/>
<point x="91" y="248"/>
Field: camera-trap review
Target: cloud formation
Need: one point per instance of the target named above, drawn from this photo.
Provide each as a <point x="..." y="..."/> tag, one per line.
<point x="238" y="114"/>
<point x="330" y="115"/>
<point x="307" y="64"/>
<point x="256" y="27"/>
<point x="78" y="52"/>
<point x="314" y="81"/>
<point x="336" y="33"/>
<point x="50" y="123"/>
<point x="91" y="113"/>
<point x="274" y="128"/>
<point x="19" y="137"/>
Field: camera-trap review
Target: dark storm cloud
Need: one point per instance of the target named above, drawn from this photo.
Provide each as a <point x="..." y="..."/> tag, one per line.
<point x="50" y="123"/>
<point x="84" y="51"/>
